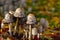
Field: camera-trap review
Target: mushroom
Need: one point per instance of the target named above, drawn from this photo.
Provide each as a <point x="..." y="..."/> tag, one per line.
<point x="8" y="19"/>
<point x="34" y="34"/>
<point x="31" y="20"/>
<point x="43" y="25"/>
<point x="19" y="14"/>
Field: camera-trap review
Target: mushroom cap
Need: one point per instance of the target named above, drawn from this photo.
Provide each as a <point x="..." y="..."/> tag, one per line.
<point x="8" y="18"/>
<point x="42" y="21"/>
<point x="31" y="19"/>
<point x="19" y="13"/>
<point x="34" y="31"/>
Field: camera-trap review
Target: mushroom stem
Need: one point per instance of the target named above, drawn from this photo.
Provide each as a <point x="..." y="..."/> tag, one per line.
<point x="16" y="26"/>
<point x="10" y="28"/>
<point x="30" y="32"/>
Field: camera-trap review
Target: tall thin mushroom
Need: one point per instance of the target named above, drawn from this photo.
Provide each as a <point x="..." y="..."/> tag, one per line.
<point x="19" y="14"/>
<point x="8" y="20"/>
<point x="31" y="20"/>
<point x="43" y="26"/>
